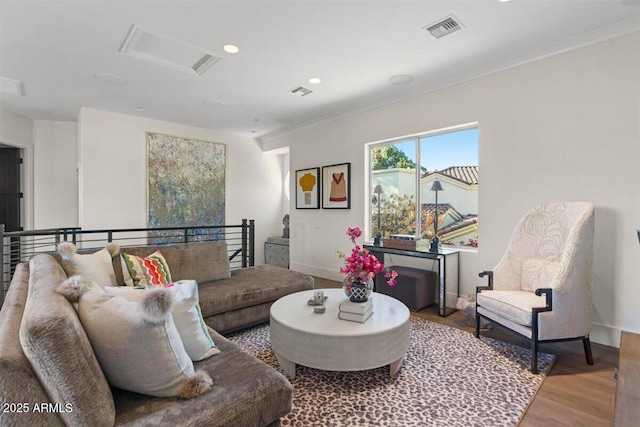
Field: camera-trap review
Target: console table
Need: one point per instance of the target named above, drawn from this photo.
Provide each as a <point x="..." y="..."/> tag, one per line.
<point x="447" y="261"/>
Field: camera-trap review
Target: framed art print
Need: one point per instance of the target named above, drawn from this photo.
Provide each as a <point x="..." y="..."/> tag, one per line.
<point x="308" y="188"/>
<point x="336" y="186"/>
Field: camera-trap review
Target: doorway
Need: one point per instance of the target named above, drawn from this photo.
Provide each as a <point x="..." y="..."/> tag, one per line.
<point x="10" y="194"/>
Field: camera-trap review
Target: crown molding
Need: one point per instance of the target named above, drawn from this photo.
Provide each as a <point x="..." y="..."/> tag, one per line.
<point x="609" y="32"/>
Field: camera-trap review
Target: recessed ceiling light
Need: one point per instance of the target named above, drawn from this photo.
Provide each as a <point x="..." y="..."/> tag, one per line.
<point x="503" y="1"/>
<point x="314" y="80"/>
<point x="110" y="79"/>
<point x="400" y="79"/>
<point x="139" y="109"/>
<point x="231" y="48"/>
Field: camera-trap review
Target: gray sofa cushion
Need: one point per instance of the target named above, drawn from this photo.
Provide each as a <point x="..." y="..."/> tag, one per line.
<point x="246" y="392"/>
<point x="18" y="382"/>
<point x="59" y="351"/>
<point x="202" y="262"/>
<point x="238" y="319"/>
<point x="250" y="286"/>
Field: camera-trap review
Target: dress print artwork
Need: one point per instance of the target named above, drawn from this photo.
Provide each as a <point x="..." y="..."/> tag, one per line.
<point x="336" y="186"/>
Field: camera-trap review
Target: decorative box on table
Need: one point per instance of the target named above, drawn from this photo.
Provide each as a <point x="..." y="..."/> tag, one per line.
<point x="400" y="241"/>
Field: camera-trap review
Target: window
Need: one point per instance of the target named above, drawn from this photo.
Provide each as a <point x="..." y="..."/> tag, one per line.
<point x="407" y="168"/>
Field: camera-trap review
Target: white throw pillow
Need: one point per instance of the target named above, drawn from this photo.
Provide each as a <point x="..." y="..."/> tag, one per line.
<point x="186" y="315"/>
<point x="137" y="343"/>
<point x="96" y="267"/>
<point x="538" y="273"/>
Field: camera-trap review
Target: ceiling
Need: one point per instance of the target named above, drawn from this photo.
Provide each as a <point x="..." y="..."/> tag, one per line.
<point x="56" y="49"/>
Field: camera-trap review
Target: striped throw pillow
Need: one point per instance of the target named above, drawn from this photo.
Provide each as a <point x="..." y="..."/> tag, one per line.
<point x="145" y="271"/>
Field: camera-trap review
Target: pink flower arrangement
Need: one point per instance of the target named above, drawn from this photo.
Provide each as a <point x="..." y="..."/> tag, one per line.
<point x="362" y="265"/>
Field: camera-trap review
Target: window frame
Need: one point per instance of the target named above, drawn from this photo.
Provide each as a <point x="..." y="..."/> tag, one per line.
<point x="369" y="206"/>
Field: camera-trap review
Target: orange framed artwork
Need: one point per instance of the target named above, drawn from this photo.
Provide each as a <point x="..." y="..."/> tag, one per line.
<point x="308" y="188"/>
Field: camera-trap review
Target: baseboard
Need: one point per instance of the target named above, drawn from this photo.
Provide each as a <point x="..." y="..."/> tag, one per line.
<point x="605" y="335"/>
<point x="325" y="273"/>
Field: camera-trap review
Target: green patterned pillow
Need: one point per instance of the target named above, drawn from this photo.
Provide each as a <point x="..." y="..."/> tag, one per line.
<point x="145" y="271"/>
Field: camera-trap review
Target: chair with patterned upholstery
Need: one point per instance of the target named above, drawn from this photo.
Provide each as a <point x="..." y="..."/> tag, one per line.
<point x="541" y="288"/>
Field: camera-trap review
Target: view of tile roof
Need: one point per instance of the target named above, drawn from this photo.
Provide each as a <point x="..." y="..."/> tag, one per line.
<point x="461" y="223"/>
<point x="443" y="208"/>
<point x="466" y="174"/>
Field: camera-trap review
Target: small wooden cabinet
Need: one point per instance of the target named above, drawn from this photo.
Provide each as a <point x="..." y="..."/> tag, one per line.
<point x="276" y="251"/>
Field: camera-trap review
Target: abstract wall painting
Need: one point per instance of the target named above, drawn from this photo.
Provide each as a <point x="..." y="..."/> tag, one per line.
<point x="186" y="181"/>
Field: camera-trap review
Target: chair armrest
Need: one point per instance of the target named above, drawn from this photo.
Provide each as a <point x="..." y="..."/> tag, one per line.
<point x="490" y="282"/>
<point x="548" y="293"/>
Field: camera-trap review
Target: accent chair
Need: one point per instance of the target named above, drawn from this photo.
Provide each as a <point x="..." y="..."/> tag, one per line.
<point x="541" y="288"/>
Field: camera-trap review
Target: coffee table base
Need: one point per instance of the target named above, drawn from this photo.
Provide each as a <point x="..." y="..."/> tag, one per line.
<point x="289" y="367"/>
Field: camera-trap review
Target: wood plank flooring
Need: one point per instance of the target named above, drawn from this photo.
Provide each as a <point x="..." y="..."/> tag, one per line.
<point x="573" y="394"/>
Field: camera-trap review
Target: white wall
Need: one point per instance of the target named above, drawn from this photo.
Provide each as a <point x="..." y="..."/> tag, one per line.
<point x="284" y="164"/>
<point x="561" y="128"/>
<point x="113" y="175"/>
<point x="55" y="193"/>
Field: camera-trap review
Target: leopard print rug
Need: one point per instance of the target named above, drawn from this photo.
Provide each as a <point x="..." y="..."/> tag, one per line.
<point x="448" y="378"/>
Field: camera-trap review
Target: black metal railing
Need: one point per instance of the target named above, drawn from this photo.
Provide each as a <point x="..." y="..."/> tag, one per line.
<point x="20" y="246"/>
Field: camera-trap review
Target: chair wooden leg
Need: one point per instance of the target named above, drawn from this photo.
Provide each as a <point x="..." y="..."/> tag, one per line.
<point x="587" y="350"/>
<point x="477" y="325"/>
<point x="534" y="354"/>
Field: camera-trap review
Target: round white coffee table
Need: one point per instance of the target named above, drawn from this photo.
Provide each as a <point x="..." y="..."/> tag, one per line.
<point x="322" y="341"/>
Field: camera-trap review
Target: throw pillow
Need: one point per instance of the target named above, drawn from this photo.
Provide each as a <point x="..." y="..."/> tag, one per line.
<point x="145" y="271"/>
<point x="538" y="273"/>
<point x="186" y="315"/>
<point x="96" y="267"/>
<point x="136" y="343"/>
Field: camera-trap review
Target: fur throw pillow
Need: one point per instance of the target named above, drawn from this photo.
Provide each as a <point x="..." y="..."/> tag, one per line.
<point x="137" y="343"/>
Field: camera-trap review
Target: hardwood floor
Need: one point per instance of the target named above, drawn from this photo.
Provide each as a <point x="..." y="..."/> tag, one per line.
<point x="573" y="394"/>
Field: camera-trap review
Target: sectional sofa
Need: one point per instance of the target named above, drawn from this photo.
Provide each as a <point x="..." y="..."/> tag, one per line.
<point x="49" y="374"/>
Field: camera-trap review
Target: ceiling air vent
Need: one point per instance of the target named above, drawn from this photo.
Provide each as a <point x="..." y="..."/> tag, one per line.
<point x="166" y="51"/>
<point x="11" y="87"/>
<point x="444" y="27"/>
<point x="302" y="91"/>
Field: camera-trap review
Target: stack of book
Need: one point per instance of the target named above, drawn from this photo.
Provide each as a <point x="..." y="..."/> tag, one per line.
<point x="355" y="311"/>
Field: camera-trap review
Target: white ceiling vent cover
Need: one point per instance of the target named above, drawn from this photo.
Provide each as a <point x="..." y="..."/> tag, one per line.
<point x="11" y="87"/>
<point x="166" y="51"/>
<point x="302" y="91"/>
<point x="444" y="27"/>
